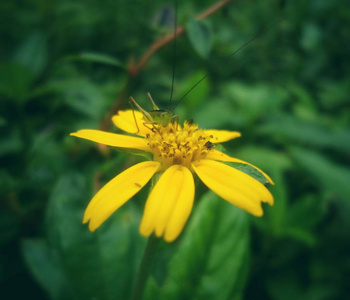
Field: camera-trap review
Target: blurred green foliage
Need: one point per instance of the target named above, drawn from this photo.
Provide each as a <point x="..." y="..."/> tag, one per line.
<point x="63" y="65"/>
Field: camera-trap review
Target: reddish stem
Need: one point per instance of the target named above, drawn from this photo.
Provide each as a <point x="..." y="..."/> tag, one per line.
<point x="135" y="68"/>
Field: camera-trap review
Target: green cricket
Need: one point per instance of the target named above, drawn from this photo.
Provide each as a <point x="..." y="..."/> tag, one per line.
<point x="156" y="116"/>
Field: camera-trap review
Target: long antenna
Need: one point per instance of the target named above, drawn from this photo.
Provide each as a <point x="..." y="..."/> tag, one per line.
<point x="240" y="48"/>
<point x="174" y="57"/>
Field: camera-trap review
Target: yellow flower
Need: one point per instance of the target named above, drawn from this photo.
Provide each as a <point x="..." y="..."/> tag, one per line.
<point x="178" y="152"/>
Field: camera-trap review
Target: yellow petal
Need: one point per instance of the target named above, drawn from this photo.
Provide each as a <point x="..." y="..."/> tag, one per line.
<point x="125" y="120"/>
<point x="220" y="136"/>
<point x="234" y="186"/>
<point x="118" y="191"/>
<point x="113" y="139"/>
<point x="169" y="204"/>
<point x="217" y="155"/>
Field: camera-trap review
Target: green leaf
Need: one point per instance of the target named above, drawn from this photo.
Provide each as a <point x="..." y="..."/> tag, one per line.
<point x="47" y="158"/>
<point x="265" y="158"/>
<point x="11" y="143"/>
<point x="253" y="101"/>
<point x="9" y="226"/>
<point x="85" y="97"/>
<point x="99" y="265"/>
<point x="276" y="214"/>
<point x="136" y="152"/>
<point x="212" y="259"/>
<point x="214" y="114"/>
<point x="302" y="218"/>
<point x="33" y="53"/>
<point x="80" y="94"/>
<point x="333" y="93"/>
<point x="15" y="81"/>
<point x="164" y="19"/>
<point x="331" y="176"/>
<point x="8" y="183"/>
<point x="249" y="170"/>
<point x="287" y="287"/>
<point x="311" y="37"/>
<point x="307" y="212"/>
<point x="288" y="128"/>
<point x="3" y="122"/>
<point x="95" y="58"/>
<point x="45" y="268"/>
<point x="199" y="34"/>
<point x="194" y="98"/>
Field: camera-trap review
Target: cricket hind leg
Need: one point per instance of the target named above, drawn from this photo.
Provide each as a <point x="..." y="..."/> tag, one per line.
<point x="155" y="107"/>
<point x="153" y="127"/>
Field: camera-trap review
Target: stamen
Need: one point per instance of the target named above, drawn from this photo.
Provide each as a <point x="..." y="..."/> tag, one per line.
<point x="174" y="145"/>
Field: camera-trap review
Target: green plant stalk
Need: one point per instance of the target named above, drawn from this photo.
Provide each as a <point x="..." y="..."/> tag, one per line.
<point x="145" y="267"/>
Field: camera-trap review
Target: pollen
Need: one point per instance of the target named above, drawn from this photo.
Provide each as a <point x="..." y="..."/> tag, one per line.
<point x="173" y="145"/>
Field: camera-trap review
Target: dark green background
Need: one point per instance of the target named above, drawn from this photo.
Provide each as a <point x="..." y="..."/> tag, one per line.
<point x="63" y="65"/>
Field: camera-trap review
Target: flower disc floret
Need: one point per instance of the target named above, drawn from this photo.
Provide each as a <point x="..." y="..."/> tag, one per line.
<point x="173" y="145"/>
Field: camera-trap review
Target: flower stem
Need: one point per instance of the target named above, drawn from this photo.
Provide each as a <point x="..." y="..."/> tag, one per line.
<point x="146" y="264"/>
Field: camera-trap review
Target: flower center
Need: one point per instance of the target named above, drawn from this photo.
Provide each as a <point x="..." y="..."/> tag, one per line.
<point x="172" y="145"/>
